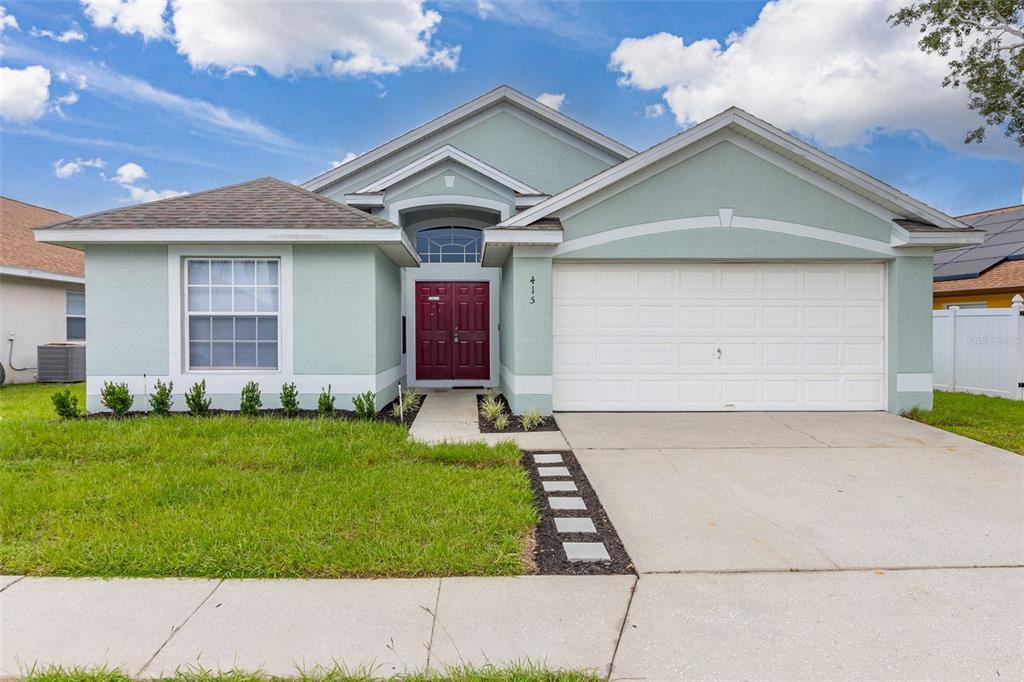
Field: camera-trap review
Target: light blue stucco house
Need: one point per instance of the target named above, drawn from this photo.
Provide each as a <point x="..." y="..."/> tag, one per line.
<point x="731" y="267"/>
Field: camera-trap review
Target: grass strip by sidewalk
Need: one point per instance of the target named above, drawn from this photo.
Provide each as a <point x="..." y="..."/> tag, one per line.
<point x="231" y="497"/>
<point x="515" y="673"/>
<point x="996" y="421"/>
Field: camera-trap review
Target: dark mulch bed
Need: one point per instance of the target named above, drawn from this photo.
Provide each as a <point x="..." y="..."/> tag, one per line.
<point x="548" y="553"/>
<point x="513" y="422"/>
<point x="384" y="415"/>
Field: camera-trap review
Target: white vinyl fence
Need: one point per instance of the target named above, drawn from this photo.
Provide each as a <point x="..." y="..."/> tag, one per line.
<point x="980" y="350"/>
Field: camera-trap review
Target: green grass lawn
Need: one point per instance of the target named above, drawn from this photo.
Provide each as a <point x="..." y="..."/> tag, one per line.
<point x="995" y="421"/>
<point x="234" y="497"/>
<point x="516" y="673"/>
<point x="520" y="673"/>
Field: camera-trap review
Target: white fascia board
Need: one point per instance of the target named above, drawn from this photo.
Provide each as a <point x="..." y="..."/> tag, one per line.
<point x="901" y="237"/>
<point x="369" y="201"/>
<point x="755" y="128"/>
<point x="40" y="274"/>
<point x="384" y="237"/>
<point x="448" y="153"/>
<point x="503" y="93"/>
<point x="531" y="200"/>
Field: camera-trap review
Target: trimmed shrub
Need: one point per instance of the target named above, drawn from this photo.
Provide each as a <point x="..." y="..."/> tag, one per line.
<point x="365" y="405"/>
<point x="251" y="402"/>
<point x="290" y="400"/>
<point x="501" y="421"/>
<point x="196" y="400"/>
<point x="160" y="400"/>
<point x="491" y="407"/>
<point x="531" y="420"/>
<point x="116" y="398"/>
<point x="325" y="403"/>
<point x="66" y="404"/>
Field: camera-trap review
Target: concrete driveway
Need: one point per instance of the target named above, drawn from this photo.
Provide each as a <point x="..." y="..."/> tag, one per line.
<point x="811" y="545"/>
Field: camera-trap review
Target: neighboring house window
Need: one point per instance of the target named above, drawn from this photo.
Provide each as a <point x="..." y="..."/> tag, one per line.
<point x="449" y="245"/>
<point x="232" y="307"/>
<point x="74" y="310"/>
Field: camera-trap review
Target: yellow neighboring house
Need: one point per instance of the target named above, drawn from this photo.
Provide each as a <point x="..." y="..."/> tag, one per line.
<point x="985" y="275"/>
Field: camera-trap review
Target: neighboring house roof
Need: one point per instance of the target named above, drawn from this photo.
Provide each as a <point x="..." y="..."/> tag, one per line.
<point x="774" y="139"/>
<point x="1004" y="241"/>
<point x="1007" y="276"/>
<point x="20" y="254"/>
<point x="266" y="203"/>
<point x="493" y="98"/>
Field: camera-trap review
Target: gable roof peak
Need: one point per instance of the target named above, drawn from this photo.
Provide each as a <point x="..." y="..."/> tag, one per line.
<point x="501" y="94"/>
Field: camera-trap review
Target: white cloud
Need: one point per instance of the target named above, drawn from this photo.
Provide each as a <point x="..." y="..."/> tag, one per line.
<point x="654" y="111"/>
<point x="69" y="36"/>
<point x="70" y="98"/>
<point x="484" y="8"/>
<point x="129" y="174"/>
<point x="141" y="195"/>
<point x="551" y="99"/>
<point x="79" y="80"/>
<point x="65" y="169"/>
<point x="329" y="36"/>
<point x="7" y="20"/>
<point x="348" y="157"/>
<point x="832" y="71"/>
<point x="145" y="17"/>
<point x="24" y="93"/>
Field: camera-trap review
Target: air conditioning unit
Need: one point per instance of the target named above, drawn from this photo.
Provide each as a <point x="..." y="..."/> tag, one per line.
<point x="60" y="362"/>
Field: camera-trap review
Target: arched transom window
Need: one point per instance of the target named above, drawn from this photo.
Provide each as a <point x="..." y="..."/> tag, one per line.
<point x="449" y="245"/>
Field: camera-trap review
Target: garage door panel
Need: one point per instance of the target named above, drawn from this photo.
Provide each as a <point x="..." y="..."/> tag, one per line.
<point x="648" y="336"/>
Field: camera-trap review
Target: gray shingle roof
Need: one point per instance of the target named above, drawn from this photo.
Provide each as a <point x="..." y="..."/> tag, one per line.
<point x="1004" y="240"/>
<point x="266" y="203"/>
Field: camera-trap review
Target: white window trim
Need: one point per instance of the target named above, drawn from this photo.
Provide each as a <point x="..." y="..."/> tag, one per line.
<point x="226" y="380"/>
<point x="188" y="314"/>
<point x="69" y="315"/>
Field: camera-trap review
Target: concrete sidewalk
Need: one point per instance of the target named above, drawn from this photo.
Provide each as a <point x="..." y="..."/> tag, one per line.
<point x="939" y="624"/>
<point x="451" y="415"/>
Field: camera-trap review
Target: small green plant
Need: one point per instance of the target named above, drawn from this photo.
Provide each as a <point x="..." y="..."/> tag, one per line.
<point x="410" y="399"/>
<point x="396" y="411"/>
<point x="325" y="403"/>
<point x="251" y="402"/>
<point x="196" y="401"/>
<point x="491" y="407"/>
<point x="501" y="422"/>
<point x="65" y="404"/>
<point x="365" y="405"/>
<point x="290" y="400"/>
<point x="116" y="398"/>
<point x="160" y="400"/>
<point x="531" y="420"/>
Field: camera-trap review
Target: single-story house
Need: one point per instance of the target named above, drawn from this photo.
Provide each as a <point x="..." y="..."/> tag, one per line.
<point x="42" y="290"/>
<point x="985" y="275"/>
<point x="504" y="244"/>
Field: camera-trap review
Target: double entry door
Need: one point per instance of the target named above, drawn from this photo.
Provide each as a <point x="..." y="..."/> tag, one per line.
<point x="453" y="331"/>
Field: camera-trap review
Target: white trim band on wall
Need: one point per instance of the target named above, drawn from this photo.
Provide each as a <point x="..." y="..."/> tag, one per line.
<point x="270" y="384"/>
<point x="527" y="384"/>
<point x="914" y="382"/>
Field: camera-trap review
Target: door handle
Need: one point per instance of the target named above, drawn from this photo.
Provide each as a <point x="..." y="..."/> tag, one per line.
<point x="719" y="351"/>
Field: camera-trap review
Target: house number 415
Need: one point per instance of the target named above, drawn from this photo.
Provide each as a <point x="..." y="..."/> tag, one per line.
<point x="533" y="290"/>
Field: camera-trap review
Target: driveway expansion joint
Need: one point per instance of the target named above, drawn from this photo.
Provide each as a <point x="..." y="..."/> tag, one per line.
<point x="13" y="583"/>
<point x="179" y="628"/>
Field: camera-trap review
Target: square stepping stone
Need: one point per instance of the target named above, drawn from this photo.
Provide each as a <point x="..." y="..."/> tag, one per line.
<point x="585" y="551"/>
<point x="571" y="525"/>
<point x="566" y="503"/>
<point x="547" y="459"/>
<point x="559" y="486"/>
<point x="550" y="472"/>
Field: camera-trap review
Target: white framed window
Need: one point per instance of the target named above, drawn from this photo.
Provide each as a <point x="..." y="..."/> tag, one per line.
<point x="232" y="310"/>
<point x="450" y="245"/>
<point x="74" y="309"/>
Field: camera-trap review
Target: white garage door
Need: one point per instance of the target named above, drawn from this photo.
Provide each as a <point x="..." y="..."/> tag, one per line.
<point x="719" y="336"/>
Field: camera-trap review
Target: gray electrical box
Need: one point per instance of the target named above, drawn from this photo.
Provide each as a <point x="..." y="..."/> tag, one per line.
<point x="60" y="362"/>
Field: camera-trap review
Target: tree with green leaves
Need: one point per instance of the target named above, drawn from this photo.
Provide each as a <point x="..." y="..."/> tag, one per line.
<point x="986" y="38"/>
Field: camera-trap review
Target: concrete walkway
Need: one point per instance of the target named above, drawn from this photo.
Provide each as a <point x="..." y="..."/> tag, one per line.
<point x="451" y="415"/>
<point x="151" y="627"/>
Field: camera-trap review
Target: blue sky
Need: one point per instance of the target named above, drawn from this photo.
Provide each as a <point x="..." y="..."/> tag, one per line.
<point x="189" y="104"/>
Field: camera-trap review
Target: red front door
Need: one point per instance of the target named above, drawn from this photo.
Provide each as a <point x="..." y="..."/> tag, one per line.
<point x="453" y="330"/>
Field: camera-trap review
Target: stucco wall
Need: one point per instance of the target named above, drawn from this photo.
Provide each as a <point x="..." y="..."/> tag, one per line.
<point x="503" y="141"/>
<point x="343" y="308"/>
<point x="34" y="310"/>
